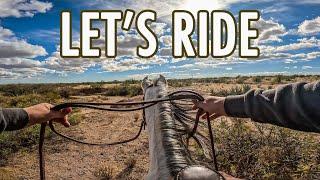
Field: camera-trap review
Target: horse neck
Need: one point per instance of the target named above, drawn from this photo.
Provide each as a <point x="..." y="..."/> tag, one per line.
<point x="157" y="157"/>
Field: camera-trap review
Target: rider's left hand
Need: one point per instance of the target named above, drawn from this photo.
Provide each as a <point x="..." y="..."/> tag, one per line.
<point x="43" y="112"/>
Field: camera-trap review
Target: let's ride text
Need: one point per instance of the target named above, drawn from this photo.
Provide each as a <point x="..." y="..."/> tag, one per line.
<point x="217" y="33"/>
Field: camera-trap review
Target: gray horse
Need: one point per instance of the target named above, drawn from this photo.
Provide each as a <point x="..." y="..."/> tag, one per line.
<point x="168" y="128"/>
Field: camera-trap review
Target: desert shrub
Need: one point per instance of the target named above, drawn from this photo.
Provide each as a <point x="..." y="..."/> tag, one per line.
<point x="11" y="142"/>
<point x="235" y="90"/>
<point x="277" y="79"/>
<point x="257" y="79"/>
<point x="130" y="81"/>
<point x="184" y="82"/>
<point x="129" y="166"/>
<point x="240" y="79"/>
<point x="268" y="153"/>
<point x="75" y="118"/>
<point x="28" y="100"/>
<point x="25" y="89"/>
<point x="65" y="93"/>
<point x="218" y="80"/>
<point x="93" y="89"/>
<point x="180" y="83"/>
<point x="105" y="173"/>
<point x="123" y="90"/>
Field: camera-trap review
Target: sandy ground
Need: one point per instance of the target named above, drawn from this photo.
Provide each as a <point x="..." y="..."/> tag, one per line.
<point x="68" y="160"/>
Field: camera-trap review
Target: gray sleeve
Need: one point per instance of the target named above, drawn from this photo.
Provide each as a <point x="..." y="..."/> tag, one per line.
<point x="13" y="119"/>
<point x="295" y="106"/>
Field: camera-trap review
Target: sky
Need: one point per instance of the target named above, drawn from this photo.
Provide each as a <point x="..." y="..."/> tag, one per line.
<point x="289" y="41"/>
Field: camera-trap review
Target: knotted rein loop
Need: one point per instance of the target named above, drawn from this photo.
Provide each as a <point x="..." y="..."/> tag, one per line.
<point x="141" y="105"/>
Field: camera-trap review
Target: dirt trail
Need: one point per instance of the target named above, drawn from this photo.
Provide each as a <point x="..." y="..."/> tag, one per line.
<point x="68" y="160"/>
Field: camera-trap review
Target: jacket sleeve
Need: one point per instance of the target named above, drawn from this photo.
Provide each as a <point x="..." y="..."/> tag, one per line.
<point x="13" y="119"/>
<point x="295" y="106"/>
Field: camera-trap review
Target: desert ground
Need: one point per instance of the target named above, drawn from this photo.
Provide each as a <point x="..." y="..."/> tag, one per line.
<point x="245" y="149"/>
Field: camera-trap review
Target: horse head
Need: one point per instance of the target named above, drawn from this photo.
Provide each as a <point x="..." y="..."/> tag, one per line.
<point x="169" y="157"/>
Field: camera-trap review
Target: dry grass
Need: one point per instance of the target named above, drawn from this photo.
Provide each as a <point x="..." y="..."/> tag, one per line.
<point x="6" y="174"/>
<point x="105" y="173"/>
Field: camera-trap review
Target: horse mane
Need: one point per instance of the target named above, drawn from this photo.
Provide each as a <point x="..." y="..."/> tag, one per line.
<point x="176" y="124"/>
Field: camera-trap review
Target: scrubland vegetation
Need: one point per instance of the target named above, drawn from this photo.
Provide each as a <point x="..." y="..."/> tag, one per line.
<point x="245" y="149"/>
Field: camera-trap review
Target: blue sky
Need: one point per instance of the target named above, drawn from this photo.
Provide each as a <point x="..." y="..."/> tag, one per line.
<point x="289" y="41"/>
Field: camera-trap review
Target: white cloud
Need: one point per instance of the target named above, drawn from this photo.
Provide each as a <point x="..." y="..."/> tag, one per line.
<point x="269" y="30"/>
<point x="288" y="50"/>
<point x="307" y="56"/>
<point x="64" y="65"/>
<point x="308" y="27"/>
<point x="306" y="67"/>
<point x="5" y="33"/>
<point x="301" y="44"/>
<point x="278" y="8"/>
<point x="23" y="8"/>
<point x="11" y="63"/>
<point x="16" y="56"/>
<point x="119" y="67"/>
<point x="121" y="64"/>
<point x="11" y="46"/>
<point x="20" y="48"/>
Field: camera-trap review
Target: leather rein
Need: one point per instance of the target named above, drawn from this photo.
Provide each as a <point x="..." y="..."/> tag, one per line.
<point x="139" y="105"/>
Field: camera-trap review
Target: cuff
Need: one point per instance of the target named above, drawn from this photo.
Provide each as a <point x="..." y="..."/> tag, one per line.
<point x="16" y="118"/>
<point x="234" y="106"/>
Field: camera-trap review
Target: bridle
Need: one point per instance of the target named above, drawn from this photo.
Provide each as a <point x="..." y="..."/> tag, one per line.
<point x="138" y="105"/>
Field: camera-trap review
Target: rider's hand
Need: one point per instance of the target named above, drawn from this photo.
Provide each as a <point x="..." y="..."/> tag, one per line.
<point x="213" y="105"/>
<point x="42" y="113"/>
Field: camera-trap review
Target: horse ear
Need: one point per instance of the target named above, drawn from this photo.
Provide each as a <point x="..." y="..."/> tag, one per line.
<point x="146" y="82"/>
<point x="161" y="79"/>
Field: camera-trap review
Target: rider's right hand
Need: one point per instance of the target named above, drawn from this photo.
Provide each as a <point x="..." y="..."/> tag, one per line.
<point x="213" y="105"/>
